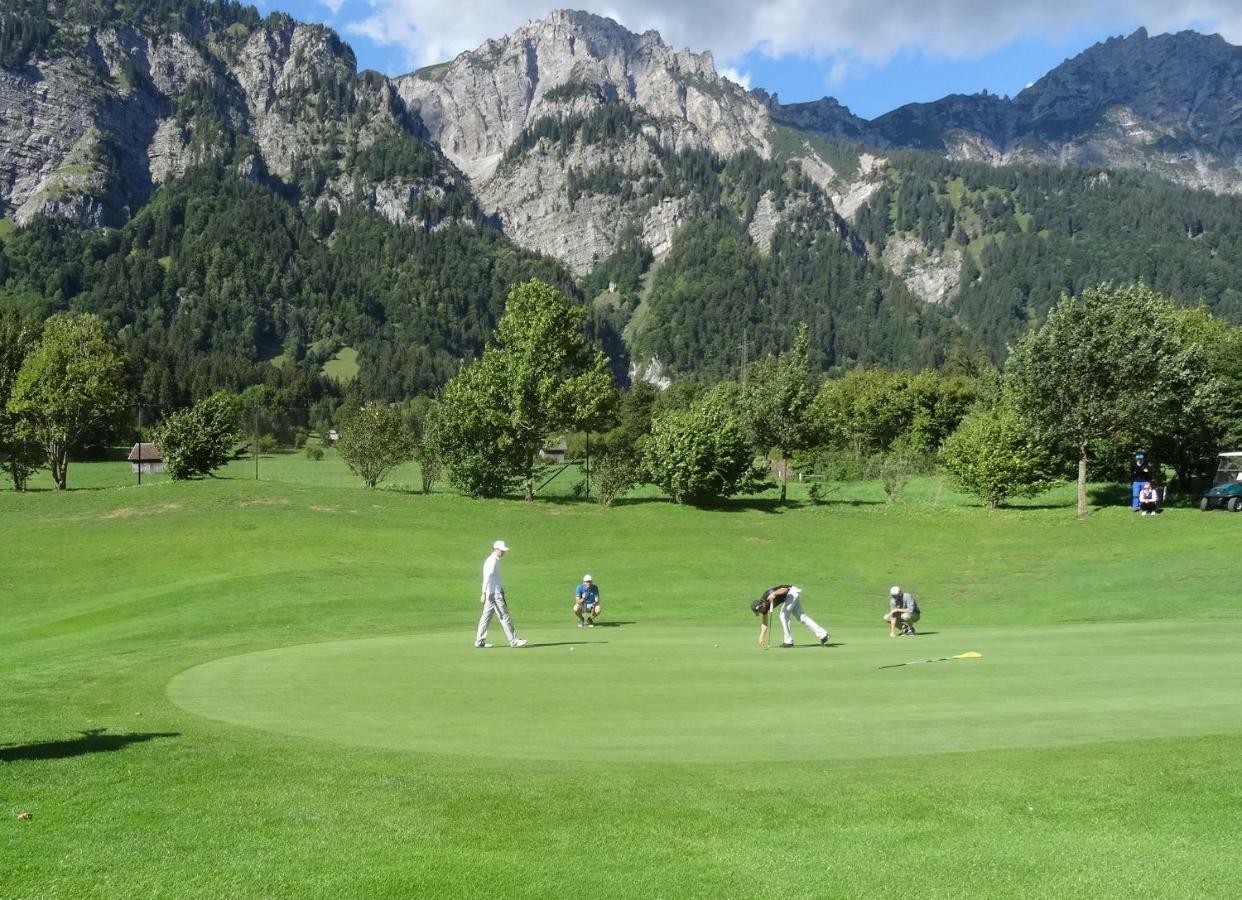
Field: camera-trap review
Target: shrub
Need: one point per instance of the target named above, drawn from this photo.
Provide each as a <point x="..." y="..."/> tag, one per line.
<point x="195" y="442"/>
<point x="314" y="453"/>
<point x="615" y="473"/>
<point x="993" y="456"/>
<point x="701" y="454"/>
<point x="374" y="441"/>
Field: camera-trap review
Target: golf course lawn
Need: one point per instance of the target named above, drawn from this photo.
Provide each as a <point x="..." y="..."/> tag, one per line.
<point x="233" y="688"/>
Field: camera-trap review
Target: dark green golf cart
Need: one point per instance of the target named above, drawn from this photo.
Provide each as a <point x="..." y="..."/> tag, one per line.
<point x="1226" y="490"/>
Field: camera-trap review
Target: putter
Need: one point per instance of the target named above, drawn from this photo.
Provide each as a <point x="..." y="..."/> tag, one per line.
<point x="969" y="654"/>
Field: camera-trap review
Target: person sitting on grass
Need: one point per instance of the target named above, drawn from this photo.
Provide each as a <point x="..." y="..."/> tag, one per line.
<point x="586" y="603"/>
<point x="903" y="610"/>
<point x="1149" y="499"/>
<point x="787" y="597"/>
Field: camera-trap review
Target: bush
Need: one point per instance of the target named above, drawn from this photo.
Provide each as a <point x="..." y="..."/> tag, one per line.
<point x="374" y="441"/>
<point x="615" y="473"/>
<point x="701" y="454"/>
<point x="299" y="438"/>
<point x="314" y="453"/>
<point x="429" y="465"/>
<point x="993" y="456"/>
<point x="195" y="442"/>
<point x="895" y="472"/>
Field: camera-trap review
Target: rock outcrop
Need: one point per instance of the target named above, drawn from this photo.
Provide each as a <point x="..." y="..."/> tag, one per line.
<point x="88" y="135"/>
<point x="477" y="105"/>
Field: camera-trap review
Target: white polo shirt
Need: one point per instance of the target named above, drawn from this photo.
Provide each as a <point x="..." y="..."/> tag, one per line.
<point x="491" y="575"/>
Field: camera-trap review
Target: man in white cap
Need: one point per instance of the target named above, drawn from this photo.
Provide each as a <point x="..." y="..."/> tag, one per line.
<point x="788" y="598"/>
<point x="493" y="600"/>
<point x="586" y="603"/>
<point x="903" y="609"/>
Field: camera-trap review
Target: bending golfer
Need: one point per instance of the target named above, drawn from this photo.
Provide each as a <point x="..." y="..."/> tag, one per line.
<point x="586" y="603"/>
<point x="788" y="598"/>
<point x="493" y="600"/>
<point x="903" y="609"/>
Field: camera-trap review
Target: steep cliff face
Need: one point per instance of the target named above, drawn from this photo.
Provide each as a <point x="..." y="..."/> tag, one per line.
<point x="572" y="198"/>
<point x="478" y="104"/>
<point x="88" y="128"/>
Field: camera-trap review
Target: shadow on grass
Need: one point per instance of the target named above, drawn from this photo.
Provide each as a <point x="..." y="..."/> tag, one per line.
<point x="93" y="740"/>
<point x="564" y="644"/>
<point x="613" y="624"/>
<point x="813" y="646"/>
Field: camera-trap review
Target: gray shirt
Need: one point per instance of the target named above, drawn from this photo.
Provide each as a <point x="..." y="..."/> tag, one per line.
<point x="905" y="602"/>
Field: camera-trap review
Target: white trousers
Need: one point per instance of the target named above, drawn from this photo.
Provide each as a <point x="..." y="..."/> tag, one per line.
<point x="792" y="609"/>
<point x="495" y="605"/>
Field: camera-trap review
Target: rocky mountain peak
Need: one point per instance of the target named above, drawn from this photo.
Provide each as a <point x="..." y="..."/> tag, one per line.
<point x="478" y="104"/>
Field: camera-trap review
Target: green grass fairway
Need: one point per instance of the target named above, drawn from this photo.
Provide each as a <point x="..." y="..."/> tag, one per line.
<point x="267" y="689"/>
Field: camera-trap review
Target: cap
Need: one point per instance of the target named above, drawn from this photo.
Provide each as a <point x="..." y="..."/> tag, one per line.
<point x="586" y="577"/>
<point x="501" y="545"/>
<point x="895" y="591"/>
<point x="759" y="606"/>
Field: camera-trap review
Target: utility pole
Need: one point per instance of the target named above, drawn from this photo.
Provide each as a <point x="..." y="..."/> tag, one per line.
<point x="139" y="443"/>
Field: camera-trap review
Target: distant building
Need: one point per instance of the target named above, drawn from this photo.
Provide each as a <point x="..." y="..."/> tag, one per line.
<point x="555" y="453"/>
<point x="145" y="458"/>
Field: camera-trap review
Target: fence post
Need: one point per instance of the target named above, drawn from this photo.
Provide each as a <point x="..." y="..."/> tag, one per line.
<point x="139" y="444"/>
<point x="256" y="443"/>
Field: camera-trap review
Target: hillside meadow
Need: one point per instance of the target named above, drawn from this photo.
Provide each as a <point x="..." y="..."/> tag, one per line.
<point x="232" y="688"/>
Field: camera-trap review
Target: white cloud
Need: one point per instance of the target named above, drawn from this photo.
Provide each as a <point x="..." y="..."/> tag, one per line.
<point x="742" y="78"/>
<point x="845" y="30"/>
<point x="334" y="5"/>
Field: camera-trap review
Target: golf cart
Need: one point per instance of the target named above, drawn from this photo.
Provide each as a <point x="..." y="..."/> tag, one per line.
<point x="1226" y="489"/>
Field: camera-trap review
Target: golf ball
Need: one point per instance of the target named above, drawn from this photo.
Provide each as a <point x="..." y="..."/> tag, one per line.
<point x="571" y="649"/>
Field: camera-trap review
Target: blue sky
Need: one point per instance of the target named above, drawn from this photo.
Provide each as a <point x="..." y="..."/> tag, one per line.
<point x="872" y="56"/>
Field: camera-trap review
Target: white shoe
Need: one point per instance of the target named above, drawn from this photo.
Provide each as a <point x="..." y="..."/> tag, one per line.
<point x="582" y="624"/>
<point x="518" y="643"/>
<point x="483" y="646"/>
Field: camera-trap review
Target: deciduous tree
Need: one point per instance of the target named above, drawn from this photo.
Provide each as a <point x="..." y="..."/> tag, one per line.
<point x="71" y="383"/>
<point x="540" y="378"/>
<point x="374" y="441"/>
<point x="1106" y="365"/>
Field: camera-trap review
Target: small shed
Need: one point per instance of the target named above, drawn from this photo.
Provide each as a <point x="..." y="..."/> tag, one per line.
<point x="555" y="453"/>
<point x="145" y="458"/>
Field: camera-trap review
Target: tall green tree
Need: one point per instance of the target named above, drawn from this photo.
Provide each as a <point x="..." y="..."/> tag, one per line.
<point x="20" y="455"/>
<point x="73" y="382"/>
<point x="540" y="378"/>
<point x="1108" y="365"/>
<point x="777" y="398"/>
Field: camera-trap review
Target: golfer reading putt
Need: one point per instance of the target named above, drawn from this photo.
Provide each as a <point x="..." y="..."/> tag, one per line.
<point x="586" y="603"/>
<point x="493" y="600"/>
<point x="903" y="611"/>
<point x="788" y="598"/>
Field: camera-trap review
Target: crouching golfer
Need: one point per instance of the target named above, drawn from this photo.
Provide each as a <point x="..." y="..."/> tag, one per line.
<point x="903" y="610"/>
<point x="493" y="600"/>
<point x="586" y="603"/>
<point x="787" y="597"/>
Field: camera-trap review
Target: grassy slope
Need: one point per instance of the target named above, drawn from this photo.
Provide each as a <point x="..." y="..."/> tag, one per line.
<point x="108" y="595"/>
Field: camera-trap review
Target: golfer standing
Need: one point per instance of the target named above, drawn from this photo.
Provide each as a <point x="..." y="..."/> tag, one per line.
<point x="493" y="600"/>
<point x="788" y="598"/>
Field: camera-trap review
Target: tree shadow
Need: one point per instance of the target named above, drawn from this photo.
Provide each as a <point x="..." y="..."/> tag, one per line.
<point x="1110" y="495"/>
<point x="93" y="740"/>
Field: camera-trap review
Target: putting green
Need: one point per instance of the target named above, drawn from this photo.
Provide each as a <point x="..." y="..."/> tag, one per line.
<point x="674" y="692"/>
